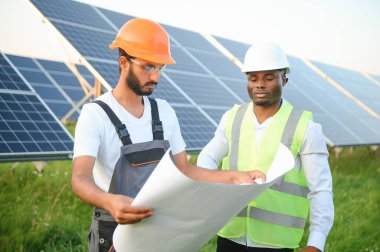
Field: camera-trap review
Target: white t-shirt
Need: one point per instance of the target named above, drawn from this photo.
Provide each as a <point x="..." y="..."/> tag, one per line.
<point x="95" y="135"/>
<point x="313" y="158"/>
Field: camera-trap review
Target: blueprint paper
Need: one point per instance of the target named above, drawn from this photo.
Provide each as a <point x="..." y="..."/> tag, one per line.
<point x="188" y="213"/>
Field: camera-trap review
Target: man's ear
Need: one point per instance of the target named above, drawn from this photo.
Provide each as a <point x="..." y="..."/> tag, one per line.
<point x="123" y="62"/>
<point x="284" y="79"/>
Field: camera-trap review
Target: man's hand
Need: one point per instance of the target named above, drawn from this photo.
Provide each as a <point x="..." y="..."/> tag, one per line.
<point x="247" y="177"/>
<point x="121" y="210"/>
<point x="310" y="249"/>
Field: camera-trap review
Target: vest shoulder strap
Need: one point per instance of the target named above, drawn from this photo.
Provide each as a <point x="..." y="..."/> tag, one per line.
<point x="300" y="130"/>
<point x="235" y="135"/>
<point x="158" y="130"/>
<point x="290" y="127"/>
<point x="121" y="129"/>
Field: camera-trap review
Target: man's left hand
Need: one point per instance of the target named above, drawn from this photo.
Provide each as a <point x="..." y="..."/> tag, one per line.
<point x="247" y="177"/>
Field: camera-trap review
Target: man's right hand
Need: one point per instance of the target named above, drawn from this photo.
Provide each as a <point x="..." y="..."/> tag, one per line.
<point x="121" y="210"/>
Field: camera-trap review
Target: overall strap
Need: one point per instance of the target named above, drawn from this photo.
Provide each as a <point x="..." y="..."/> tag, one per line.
<point x="121" y="129"/>
<point x="158" y="130"/>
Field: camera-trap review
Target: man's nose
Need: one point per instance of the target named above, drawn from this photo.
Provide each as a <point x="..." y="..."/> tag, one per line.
<point x="260" y="84"/>
<point x="155" y="76"/>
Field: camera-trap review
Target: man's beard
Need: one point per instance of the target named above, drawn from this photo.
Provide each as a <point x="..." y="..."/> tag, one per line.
<point x="263" y="103"/>
<point x="135" y="85"/>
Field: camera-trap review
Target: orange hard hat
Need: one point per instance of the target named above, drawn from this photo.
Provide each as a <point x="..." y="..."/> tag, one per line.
<point x="144" y="39"/>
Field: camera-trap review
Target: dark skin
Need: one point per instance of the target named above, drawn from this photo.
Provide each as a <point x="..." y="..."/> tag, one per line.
<point x="265" y="90"/>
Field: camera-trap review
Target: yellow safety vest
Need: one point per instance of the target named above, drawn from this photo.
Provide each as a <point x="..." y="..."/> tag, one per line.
<point x="278" y="216"/>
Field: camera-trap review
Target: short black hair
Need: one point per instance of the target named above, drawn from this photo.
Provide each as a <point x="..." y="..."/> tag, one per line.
<point x="125" y="54"/>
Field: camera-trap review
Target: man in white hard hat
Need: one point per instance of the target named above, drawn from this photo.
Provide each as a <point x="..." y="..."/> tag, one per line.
<point x="248" y="136"/>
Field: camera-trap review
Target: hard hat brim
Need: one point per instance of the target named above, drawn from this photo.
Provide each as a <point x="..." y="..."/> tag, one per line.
<point x="156" y="58"/>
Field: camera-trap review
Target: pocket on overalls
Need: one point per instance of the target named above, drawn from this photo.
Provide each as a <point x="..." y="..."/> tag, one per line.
<point x="145" y="157"/>
<point x="106" y="229"/>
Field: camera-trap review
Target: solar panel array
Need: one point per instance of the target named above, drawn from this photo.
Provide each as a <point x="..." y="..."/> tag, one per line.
<point x="28" y="128"/>
<point x="204" y="83"/>
<point x="54" y="82"/>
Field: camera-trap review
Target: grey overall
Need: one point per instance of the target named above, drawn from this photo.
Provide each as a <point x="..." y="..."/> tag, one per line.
<point x="135" y="165"/>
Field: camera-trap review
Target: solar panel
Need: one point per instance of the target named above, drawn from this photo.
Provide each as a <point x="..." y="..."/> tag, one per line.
<point x="355" y="83"/>
<point x="54" y="82"/>
<point x="28" y="129"/>
<point x="204" y="83"/>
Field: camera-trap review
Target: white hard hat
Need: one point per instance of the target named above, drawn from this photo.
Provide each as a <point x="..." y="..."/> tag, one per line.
<point x="263" y="56"/>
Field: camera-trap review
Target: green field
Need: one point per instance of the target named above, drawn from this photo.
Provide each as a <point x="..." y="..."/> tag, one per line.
<point x="40" y="213"/>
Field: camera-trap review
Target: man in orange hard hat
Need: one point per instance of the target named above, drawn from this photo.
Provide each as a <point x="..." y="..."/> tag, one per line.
<point x="122" y="135"/>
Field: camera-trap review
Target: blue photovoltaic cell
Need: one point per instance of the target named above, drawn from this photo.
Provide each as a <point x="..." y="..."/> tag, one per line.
<point x="355" y="83"/>
<point x="203" y="74"/>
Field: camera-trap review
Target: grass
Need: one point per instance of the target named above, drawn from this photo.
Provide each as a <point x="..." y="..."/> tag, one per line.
<point x="38" y="212"/>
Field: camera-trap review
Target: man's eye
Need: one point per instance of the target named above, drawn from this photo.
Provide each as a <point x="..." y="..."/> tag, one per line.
<point x="149" y="68"/>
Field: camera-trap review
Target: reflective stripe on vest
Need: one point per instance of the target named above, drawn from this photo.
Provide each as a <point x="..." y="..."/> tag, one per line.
<point x="273" y="218"/>
<point x="295" y="188"/>
<point x="236" y="135"/>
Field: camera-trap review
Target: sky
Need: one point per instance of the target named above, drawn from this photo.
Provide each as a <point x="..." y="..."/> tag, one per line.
<point x="341" y="33"/>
